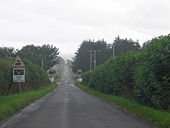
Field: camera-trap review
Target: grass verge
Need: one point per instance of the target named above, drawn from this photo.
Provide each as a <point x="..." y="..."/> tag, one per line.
<point x="15" y="102"/>
<point x="156" y="117"/>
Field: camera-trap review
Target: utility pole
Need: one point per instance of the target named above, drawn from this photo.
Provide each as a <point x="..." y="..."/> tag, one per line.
<point x="94" y="58"/>
<point x="91" y="57"/>
<point x="95" y="61"/>
<point x="42" y="63"/>
<point x="19" y="85"/>
<point x="113" y="50"/>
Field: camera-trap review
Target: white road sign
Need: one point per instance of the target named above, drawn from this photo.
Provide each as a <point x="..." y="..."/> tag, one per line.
<point x="18" y="74"/>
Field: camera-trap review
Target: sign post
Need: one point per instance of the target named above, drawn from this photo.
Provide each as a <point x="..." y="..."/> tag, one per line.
<point x="79" y="72"/>
<point x="19" y="87"/>
<point x="18" y="72"/>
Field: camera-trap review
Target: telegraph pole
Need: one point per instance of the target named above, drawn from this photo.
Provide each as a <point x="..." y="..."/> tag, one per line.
<point x="113" y="50"/>
<point x="94" y="58"/>
<point x="91" y="55"/>
<point x="95" y="61"/>
<point x="42" y="63"/>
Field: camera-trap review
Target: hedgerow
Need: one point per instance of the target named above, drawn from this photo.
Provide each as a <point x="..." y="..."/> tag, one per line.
<point x="115" y="76"/>
<point x="143" y="76"/>
<point x="35" y="76"/>
<point x="152" y="74"/>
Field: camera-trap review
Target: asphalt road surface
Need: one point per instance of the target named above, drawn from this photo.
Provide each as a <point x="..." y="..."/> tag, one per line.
<point x="70" y="107"/>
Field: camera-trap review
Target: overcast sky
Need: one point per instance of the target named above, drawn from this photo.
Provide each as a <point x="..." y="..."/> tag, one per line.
<point x="66" y="23"/>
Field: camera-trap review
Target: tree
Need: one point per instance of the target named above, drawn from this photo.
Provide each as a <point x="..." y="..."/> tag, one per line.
<point x="123" y="45"/>
<point x="35" y="76"/>
<point x="143" y="76"/>
<point x="31" y="53"/>
<point x="152" y="74"/>
<point x="5" y="74"/>
<point x="115" y="76"/>
<point x="46" y="54"/>
<point x="49" y="53"/>
<point x="7" y="52"/>
<point x="81" y="59"/>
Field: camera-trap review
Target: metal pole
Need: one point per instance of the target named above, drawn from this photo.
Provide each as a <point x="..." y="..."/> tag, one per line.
<point x="42" y="63"/>
<point x="94" y="59"/>
<point x="113" y="50"/>
<point x="19" y="87"/>
<point x="91" y="60"/>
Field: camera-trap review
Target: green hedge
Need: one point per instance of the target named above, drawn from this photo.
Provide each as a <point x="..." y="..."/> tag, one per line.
<point x="143" y="76"/>
<point x="5" y="77"/>
<point x="113" y="77"/>
<point x="35" y="76"/>
<point x="152" y="74"/>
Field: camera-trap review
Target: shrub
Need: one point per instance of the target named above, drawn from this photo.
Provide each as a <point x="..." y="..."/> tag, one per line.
<point x="143" y="76"/>
<point x="35" y="76"/>
<point x="5" y="64"/>
<point x="152" y="74"/>
<point x="115" y="76"/>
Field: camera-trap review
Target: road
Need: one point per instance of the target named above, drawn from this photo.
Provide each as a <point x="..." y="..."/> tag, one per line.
<point x="70" y="107"/>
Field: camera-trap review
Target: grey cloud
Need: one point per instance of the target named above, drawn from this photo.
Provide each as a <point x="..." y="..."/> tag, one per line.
<point x="67" y="22"/>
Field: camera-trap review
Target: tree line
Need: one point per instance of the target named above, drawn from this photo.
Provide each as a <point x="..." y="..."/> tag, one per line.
<point x="84" y="56"/>
<point x="142" y="76"/>
<point x="48" y="54"/>
<point x="34" y="58"/>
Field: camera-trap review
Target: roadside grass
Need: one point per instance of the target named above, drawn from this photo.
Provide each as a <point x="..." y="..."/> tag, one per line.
<point x="156" y="117"/>
<point x="13" y="103"/>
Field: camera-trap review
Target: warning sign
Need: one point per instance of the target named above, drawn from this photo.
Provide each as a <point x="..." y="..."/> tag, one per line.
<point x="18" y="74"/>
<point x="18" y="63"/>
<point x="18" y="70"/>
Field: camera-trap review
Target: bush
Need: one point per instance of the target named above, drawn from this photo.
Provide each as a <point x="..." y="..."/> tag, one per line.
<point x="152" y="74"/>
<point x="143" y="76"/>
<point x="115" y="76"/>
<point x="35" y="76"/>
<point x="5" y="64"/>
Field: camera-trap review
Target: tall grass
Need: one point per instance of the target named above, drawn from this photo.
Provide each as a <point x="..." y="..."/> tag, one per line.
<point x="15" y="102"/>
<point x="154" y="116"/>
